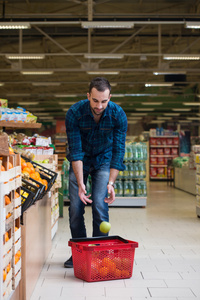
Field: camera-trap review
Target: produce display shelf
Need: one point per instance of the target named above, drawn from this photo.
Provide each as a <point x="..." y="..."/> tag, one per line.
<point x="130" y="201"/>
<point x="9" y="124"/>
<point x="159" y="178"/>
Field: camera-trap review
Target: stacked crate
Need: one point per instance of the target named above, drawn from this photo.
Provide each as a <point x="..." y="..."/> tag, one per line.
<point x="10" y="232"/>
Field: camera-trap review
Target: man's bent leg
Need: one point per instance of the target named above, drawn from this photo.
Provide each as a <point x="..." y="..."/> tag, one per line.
<point x="76" y="208"/>
<point x="100" y="179"/>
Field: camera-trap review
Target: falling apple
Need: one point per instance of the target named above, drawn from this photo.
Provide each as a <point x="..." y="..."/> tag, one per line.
<point x="105" y="227"/>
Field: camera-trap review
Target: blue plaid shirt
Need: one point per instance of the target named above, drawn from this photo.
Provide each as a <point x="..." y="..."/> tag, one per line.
<point x="96" y="144"/>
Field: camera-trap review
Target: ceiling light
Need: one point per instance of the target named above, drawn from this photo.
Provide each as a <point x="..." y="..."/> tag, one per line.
<point x="65" y="109"/>
<point x="37" y="108"/>
<point x="25" y="56"/>
<point x="18" y="95"/>
<point x="194" y="25"/>
<point x="158" y="84"/>
<point x="168" y="72"/>
<point x="134" y="118"/>
<point x="113" y="83"/>
<point x="66" y="103"/>
<point x="151" y="103"/>
<point x="138" y="114"/>
<point x="181" y="109"/>
<point x="104" y="55"/>
<point x="103" y="72"/>
<point x="110" y="24"/>
<point x="164" y="118"/>
<point x="172" y="114"/>
<point x="1" y="83"/>
<point x="14" y="25"/>
<point x="28" y="103"/>
<point x="118" y="103"/>
<point x="47" y="118"/>
<point x="118" y="95"/>
<point x="157" y="121"/>
<point x="36" y="72"/>
<point x="198" y="115"/>
<point x="181" y="56"/>
<point x="191" y="103"/>
<point x="193" y="118"/>
<point x="184" y="121"/>
<point x="65" y="95"/>
<point x="144" y="109"/>
<point x="132" y="122"/>
<point x="42" y="114"/>
<point x="46" y="83"/>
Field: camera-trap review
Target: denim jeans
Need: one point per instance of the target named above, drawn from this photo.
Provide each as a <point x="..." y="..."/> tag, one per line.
<point x="100" y="209"/>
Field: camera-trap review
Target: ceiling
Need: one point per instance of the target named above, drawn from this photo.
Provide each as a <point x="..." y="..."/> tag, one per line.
<point x="56" y="31"/>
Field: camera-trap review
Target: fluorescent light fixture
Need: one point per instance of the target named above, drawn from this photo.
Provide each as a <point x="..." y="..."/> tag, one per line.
<point x="65" y="95"/>
<point x="65" y="109"/>
<point x="184" y="121"/>
<point x="15" y="25"/>
<point x="198" y="115"/>
<point x="109" y="24"/>
<point x="132" y="122"/>
<point x="181" y="109"/>
<point x="37" y="72"/>
<point x="47" y="118"/>
<point x="18" y="95"/>
<point x="158" y="84"/>
<point x="144" y="109"/>
<point x="102" y="72"/>
<point x="25" y="56"/>
<point x="157" y="121"/>
<point x="118" y="95"/>
<point x="37" y="108"/>
<point x="133" y="118"/>
<point x="181" y="56"/>
<point x="164" y="118"/>
<point x="193" y="118"/>
<point x="45" y="83"/>
<point x="168" y="72"/>
<point x="113" y="83"/>
<point x="172" y="114"/>
<point x="1" y="83"/>
<point x="103" y="55"/>
<point x="66" y="103"/>
<point x="119" y="103"/>
<point x="193" y="25"/>
<point x="151" y="103"/>
<point x="138" y="114"/>
<point x="43" y="114"/>
<point x="28" y="103"/>
<point x="191" y="103"/>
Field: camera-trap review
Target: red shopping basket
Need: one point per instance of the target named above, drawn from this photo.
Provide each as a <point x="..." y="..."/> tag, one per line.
<point x="102" y="258"/>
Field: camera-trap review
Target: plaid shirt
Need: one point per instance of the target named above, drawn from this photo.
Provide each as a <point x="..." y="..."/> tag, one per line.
<point x="96" y="144"/>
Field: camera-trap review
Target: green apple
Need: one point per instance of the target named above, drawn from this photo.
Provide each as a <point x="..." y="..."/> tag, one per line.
<point x="45" y="161"/>
<point x="105" y="227"/>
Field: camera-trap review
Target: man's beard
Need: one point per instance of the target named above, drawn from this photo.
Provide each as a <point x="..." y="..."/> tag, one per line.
<point x="97" y="114"/>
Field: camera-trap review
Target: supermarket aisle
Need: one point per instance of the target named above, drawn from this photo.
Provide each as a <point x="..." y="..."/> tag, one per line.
<point x="167" y="262"/>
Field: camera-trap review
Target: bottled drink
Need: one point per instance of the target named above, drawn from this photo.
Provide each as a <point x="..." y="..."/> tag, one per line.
<point x="128" y="188"/>
<point x="125" y="172"/>
<point x="131" y="170"/>
<point x="142" y="169"/>
<point x="139" y="151"/>
<point x="134" y="151"/>
<point x="144" y="147"/>
<point x="144" y="188"/>
<point x="136" y="170"/>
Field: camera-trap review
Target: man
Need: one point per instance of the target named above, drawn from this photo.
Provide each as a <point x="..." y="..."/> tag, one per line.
<point x="96" y="131"/>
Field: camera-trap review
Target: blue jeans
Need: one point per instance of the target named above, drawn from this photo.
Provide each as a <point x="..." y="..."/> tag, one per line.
<point x="100" y="209"/>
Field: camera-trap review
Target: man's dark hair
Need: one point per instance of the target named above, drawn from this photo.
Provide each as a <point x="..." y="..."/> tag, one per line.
<point x="100" y="84"/>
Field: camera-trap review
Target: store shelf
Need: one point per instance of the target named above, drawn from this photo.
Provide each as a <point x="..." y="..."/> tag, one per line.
<point x="159" y="178"/>
<point x="164" y="146"/>
<point x="130" y="201"/>
<point x="8" y="124"/>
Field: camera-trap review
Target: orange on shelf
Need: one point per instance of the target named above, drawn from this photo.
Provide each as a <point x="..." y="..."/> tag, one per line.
<point x="16" y="228"/>
<point x="8" y="215"/>
<point x="16" y="195"/>
<point x="27" y="170"/>
<point x="8" y="268"/>
<point x="16" y="259"/>
<point x="2" y="168"/>
<point x="18" y="254"/>
<point x="6" y="237"/>
<point x="23" y="164"/>
<point x="44" y="181"/>
<point x="4" y="275"/>
<point x="7" y="200"/>
<point x="10" y="165"/>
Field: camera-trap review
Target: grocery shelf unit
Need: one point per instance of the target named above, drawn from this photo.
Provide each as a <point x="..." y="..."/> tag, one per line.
<point x="161" y="149"/>
<point x="131" y="200"/>
<point x="10" y="231"/>
<point x="60" y="148"/>
<point x="9" y="124"/>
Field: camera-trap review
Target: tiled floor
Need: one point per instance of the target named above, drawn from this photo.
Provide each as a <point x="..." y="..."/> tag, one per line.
<point x="167" y="262"/>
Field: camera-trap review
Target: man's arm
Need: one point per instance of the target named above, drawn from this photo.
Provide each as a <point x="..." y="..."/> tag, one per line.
<point x="111" y="191"/>
<point x="78" y="171"/>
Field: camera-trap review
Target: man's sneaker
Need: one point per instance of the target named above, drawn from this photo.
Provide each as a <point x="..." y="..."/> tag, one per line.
<point x="69" y="263"/>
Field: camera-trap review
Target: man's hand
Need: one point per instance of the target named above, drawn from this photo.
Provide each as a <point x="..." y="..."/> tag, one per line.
<point x="111" y="192"/>
<point x="82" y="195"/>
